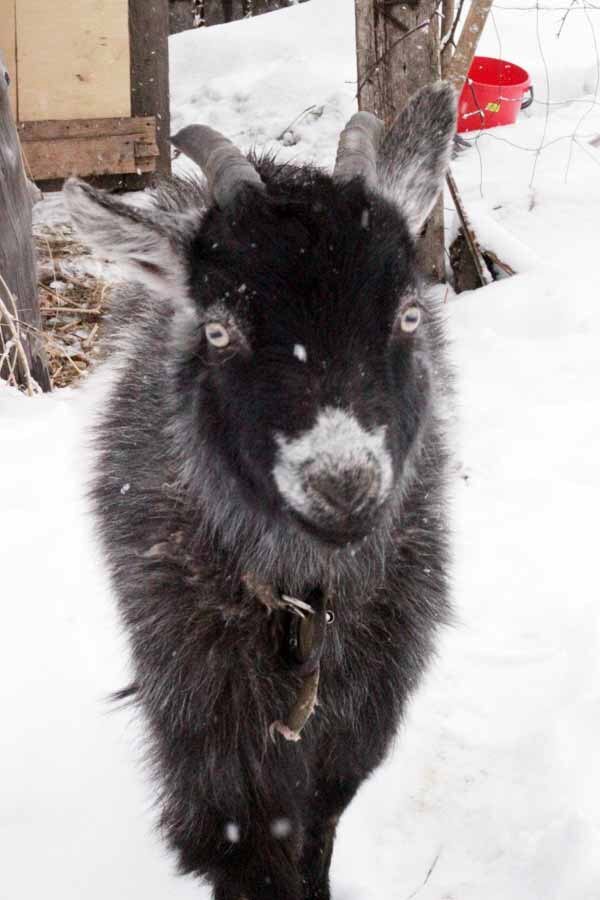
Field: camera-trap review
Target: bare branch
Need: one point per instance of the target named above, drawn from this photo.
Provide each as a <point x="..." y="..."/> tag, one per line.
<point x="448" y="25"/>
<point x="428" y="876"/>
<point x="564" y="18"/>
<point x="472" y="243"/>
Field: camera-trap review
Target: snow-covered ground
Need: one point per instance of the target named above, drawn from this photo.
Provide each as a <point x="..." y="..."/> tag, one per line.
<point x="492" y="791"/>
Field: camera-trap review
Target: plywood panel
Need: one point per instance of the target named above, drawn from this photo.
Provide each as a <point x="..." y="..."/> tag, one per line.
<point x="8" y="47"/>
<point x="73" y="59"/>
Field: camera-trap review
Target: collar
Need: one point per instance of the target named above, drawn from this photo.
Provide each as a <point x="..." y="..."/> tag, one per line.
<point x="305" y="624"/>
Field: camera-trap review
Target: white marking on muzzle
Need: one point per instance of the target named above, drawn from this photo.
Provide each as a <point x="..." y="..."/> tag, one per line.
<point x="336" y="445"/>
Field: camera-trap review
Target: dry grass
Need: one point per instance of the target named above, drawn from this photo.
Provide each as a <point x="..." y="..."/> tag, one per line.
<point x="73" y="299"/>
<point x="14" y="364"/>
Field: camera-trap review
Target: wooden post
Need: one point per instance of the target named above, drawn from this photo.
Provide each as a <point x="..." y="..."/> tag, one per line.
<point x="398" y="51"/>
<point x="459" y="65"/>
<point x="18" y="271"/>
<point x="149" y="48"/>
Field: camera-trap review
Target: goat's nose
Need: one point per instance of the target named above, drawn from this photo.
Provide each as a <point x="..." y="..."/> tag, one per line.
<point x="347" y="491"/>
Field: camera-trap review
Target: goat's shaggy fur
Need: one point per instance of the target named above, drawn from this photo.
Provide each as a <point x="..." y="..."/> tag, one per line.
<point x="188" y="504"/>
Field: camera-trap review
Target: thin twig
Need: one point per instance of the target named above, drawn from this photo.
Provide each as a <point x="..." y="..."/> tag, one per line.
<point x="472" y="243"/>
<point x="547" y="78"/>
<point x="547" y="8"/>
<point x="446" y="47"/>
<point x="5" y="358"/>
<point x="592" y="102"/>
<point x="449" y="41"/>
<point x="564" y="18"/>
<point x="71" y="309"/>
<point x="293" y="122"/>
<point x="428" y="876"/>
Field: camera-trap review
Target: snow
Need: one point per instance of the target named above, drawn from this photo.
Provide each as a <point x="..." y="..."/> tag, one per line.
<point x="232" y="832"/>
<point x="253" y="79"/>
<point x="492" y="788"/>
<point x="300" y="352"/>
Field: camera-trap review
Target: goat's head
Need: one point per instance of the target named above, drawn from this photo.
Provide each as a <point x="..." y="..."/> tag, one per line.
<point x="304" y="361"/>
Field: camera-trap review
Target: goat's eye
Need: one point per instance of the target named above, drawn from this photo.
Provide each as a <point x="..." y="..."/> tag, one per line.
<point x="216" y="334"/>
<point x="410" y="319"/>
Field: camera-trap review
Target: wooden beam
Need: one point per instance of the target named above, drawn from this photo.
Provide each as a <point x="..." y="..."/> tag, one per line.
<point x="149" y="54"/>
<point x="54" y="129"/>
<point x="86" y="147"/>
<point x="17" y="254"/>
<point x="79" y="156"/>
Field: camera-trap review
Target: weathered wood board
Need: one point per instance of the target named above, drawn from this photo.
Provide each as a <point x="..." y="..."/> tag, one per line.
<point x="149" y="42"/>
<point x="57" y="149"/>
<point x="73" y="59"/>
<point x="8" y="47"/>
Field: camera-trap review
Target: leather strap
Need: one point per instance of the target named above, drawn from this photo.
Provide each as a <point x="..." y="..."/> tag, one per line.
<point x="305" y="623"/>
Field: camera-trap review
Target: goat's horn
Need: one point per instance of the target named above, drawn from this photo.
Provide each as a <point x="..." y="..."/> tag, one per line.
<point x="358" y="147"/>
<point x="226" y="168"/>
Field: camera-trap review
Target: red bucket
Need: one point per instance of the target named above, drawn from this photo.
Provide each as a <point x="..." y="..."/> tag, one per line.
<point x="493" y="94"/>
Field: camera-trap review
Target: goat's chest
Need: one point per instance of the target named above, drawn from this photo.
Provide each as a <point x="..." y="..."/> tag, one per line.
<point x="356" y="653"/>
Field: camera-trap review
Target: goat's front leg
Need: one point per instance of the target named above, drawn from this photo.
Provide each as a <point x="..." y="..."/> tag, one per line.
<point x="252" y="855"/>
<point x="263" y="868"/>
<point x="331" y="798"/>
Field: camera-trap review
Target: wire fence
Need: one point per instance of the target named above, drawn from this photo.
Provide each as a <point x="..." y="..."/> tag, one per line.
<point x="559" y="17"/>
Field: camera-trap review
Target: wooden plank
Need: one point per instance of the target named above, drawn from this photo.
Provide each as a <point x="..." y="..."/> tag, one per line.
<point x="105" y="155"/>
<point x="73" y="61"/>
<point x="85" y="147"/>
<point x="74" y="128"/>
<point x="8" y="47"/>
<point x="149" y="47"/>
<point x="17" y="255"/>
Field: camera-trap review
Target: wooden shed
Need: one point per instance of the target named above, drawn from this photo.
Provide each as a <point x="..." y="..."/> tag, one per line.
<point x="89" y="87"/>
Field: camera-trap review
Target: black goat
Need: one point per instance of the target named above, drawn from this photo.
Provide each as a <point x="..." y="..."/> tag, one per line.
<point x="270" y="484"/>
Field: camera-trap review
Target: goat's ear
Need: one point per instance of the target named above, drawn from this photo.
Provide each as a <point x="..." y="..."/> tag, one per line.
<point x="414" y="155"/>
<point x="147" y="244"/>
